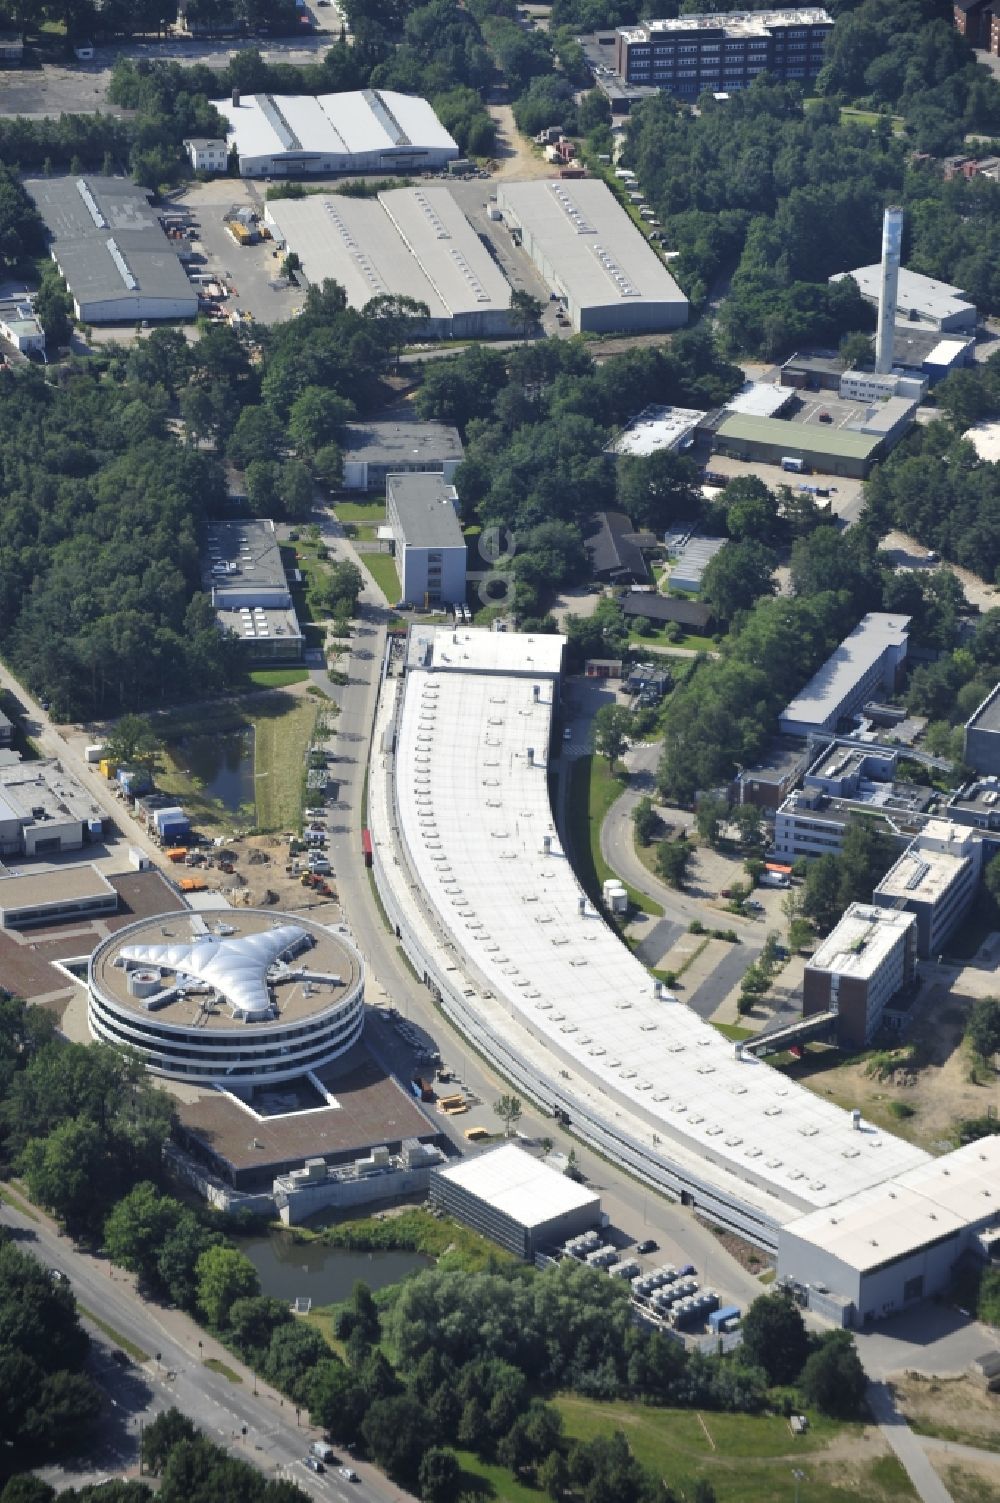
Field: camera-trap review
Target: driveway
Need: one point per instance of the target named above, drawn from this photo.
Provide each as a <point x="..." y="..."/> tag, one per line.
<point x="934" y="1340"/>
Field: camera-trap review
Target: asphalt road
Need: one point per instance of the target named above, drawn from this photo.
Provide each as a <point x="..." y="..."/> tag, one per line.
<point x="275" y="1440"/>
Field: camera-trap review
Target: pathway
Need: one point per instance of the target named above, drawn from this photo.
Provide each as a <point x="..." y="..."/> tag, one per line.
<point x="908" y="1447"/>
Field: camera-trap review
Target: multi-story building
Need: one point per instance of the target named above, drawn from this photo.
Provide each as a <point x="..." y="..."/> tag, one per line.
<point x="981" y="750"/>
<point x="936" y="879"/>
<point x="431" y="556"/>
<point x="845" y="783"/>
<point x="867" y="660"/>
<point x="722" y="53"/>
<point x="245" y="574"/>
<point x="207" y="154"/>
<point x="862" y="964"/>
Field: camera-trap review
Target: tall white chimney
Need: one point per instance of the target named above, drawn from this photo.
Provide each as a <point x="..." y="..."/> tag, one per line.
<point x="892" y="241"/>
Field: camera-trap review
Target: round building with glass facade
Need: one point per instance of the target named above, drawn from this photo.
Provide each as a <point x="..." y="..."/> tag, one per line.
<point x="243" y="997"/>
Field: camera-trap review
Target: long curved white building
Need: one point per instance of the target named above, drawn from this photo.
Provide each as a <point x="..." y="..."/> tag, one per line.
<point x="469" y="866"/>
<point x="243" y="997"/>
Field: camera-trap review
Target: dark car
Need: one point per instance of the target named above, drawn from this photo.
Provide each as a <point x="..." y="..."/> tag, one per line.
<point x="648" y="1246"/>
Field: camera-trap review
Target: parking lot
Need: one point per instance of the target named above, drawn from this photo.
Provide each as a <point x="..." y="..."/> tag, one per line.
<point x="827" y="410"/>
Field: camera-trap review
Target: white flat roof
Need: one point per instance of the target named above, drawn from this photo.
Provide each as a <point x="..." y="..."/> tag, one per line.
<point x="656" y="428"/>
<point x="447" y="248"/>
<point x="473" y="812"/>
<point x="845" y="667"/>
<point x="474" y="650"/>
<point x="863" y="938"/>
<point x="985" y="439"/>
<point x="914" y="290"/>
<point x="519" y="1186"/>
<point x="595" y="250"/>
<point x="368" y="120"/>
<point x="760" y="399"/>
<point x="922" y="875"/>
<point x="931" y="1200"/>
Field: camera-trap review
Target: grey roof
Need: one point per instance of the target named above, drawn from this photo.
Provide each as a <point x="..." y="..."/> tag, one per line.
<point x="987" y="716"/>
<point x="911" y="346"/>
<point x="404" y="443"/>
<point x="665" y="608"/>
<point x="930" y="298"/>
<point x="424" y="504"/>
<point x="108" y="242"/>
<point x="251" y="552"/>
<point x="832" y="684"/>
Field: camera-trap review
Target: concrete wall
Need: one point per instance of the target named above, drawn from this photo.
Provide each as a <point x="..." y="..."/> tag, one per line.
<point x="298" y="1205"/>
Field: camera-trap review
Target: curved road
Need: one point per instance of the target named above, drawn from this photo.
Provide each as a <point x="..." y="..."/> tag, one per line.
<point x="618" y="850"/>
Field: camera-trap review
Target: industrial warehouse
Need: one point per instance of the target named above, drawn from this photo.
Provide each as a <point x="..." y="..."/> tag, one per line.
<point x="466" y="854"/>
<point x="591" y="255"/>
<point x="294" y="135"/>
<point x="409" y="242"/>
<point x="110" y="247"/>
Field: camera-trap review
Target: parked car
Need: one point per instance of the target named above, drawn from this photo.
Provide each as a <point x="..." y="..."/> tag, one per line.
<point x="648" y="1245"/>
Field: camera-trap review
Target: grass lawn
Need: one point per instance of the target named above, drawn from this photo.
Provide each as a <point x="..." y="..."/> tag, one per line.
<point x="277" y="678"/>
<point x="216" y="1365"/>
<point x="733" y="1031"/>
<point x="7" y="1194"/>
<point x="135" y="1352"/>
<point x="283" y="726"/>
<point x="747" y="1458"/>
<point x="370" y="512"/>
<point x="664" y="641"/>
<point x="382" y="568"/>
<point x="592" y="791"/>
<point x="480" y="1479"/>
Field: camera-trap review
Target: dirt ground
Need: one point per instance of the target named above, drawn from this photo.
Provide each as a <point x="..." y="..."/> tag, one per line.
<point x="906" y="553"/>
<point x="954" y="1408"/>
<point x="937" y="1088"/>
<point x="260" y="878"/>
<point x="516" y="158"/>
<point x="968" y="1481"/>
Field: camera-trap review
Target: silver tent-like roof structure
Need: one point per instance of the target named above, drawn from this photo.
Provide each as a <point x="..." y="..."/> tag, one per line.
<point x="236" y="968"/>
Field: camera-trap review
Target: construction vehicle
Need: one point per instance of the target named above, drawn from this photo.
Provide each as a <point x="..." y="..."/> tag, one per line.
<point x="177" y="853"/>
<point x="191" y="884"/>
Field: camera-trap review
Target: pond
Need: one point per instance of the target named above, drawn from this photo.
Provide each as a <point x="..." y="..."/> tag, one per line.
<point x="222" y="765"/>
<point x="327" y="1275"/>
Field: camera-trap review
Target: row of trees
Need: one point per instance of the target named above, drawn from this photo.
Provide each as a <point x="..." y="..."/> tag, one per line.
<point x="80" y="1123"/>
<point x="47" y="1402"/>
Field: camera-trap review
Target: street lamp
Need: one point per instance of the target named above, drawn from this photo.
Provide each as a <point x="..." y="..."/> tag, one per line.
<point x="799" y="1479"/>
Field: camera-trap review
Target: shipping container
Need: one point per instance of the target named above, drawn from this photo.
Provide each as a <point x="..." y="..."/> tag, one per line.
<point x="366" y="846"/>
<point x="93" y="754"/>
<point x="721" y="1317"/>
<point x="108" y="769"/>
<point x="176" y="853"/>
<point x="138" y="859"/>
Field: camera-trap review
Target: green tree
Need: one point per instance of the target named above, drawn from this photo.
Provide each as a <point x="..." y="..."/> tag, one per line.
<point x="336" y="1399"/>
<point x="294" y="1350"/>
<point x="751" y="510"/>
<point x="712" y="813"/>
<point x="258" y="435"/>
<point x="62" y="1169"/>
<point x="295" y="490"/>
<point x="395" y="1433"/>
<point x="252" y="1323"/>
<point x="525" y="311"/>
<point x="982" y="1030"/>
<point x="135" y="1230"/>
<point x="612" y="727"/>
<point x="133" y="742"/>
<point x="440" y="1476"/>
<point x="737" y="577"/>
<point x="646" y="820"/>
<point x="508" y="1109"/>
<point x="316" y="417"/>
<point x="821" y="897"/>
<point x="774" y="1338"/>
<point x="857" y="351"/>
<point x="833" y="1379"/>
<point x="224" y="1275"/>
<point x="672" y="860"/>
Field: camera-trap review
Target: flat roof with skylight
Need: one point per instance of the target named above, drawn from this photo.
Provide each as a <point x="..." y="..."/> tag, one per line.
<point x="472" y="805"/>
<point x="656" y="428"/>
<point x="862" y="940"/>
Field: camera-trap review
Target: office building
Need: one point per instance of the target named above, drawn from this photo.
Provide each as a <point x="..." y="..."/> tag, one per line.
<point x="523" y="1205"/>
<point x="722" y="52"/>
<point x="44" y="810"/>
<point x="110" y="247"/>
<point x="407" y="242"/>
<point x="921" y="300"/>
<point x="373" y="450"/>
<point x="866" y="960"/>
<point x="296" y="135"/>
<point x="981" y="747"/>
<point x="245" y="576"/>
<point x="431" y="556"/>
<point x="867" y="661"/>
<point x="20" y="327"/>
<point x="936" y="879"/>
<point x="207" y="154"/>
<point x="590" y="254"/>
<point x="241" y="997"/>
